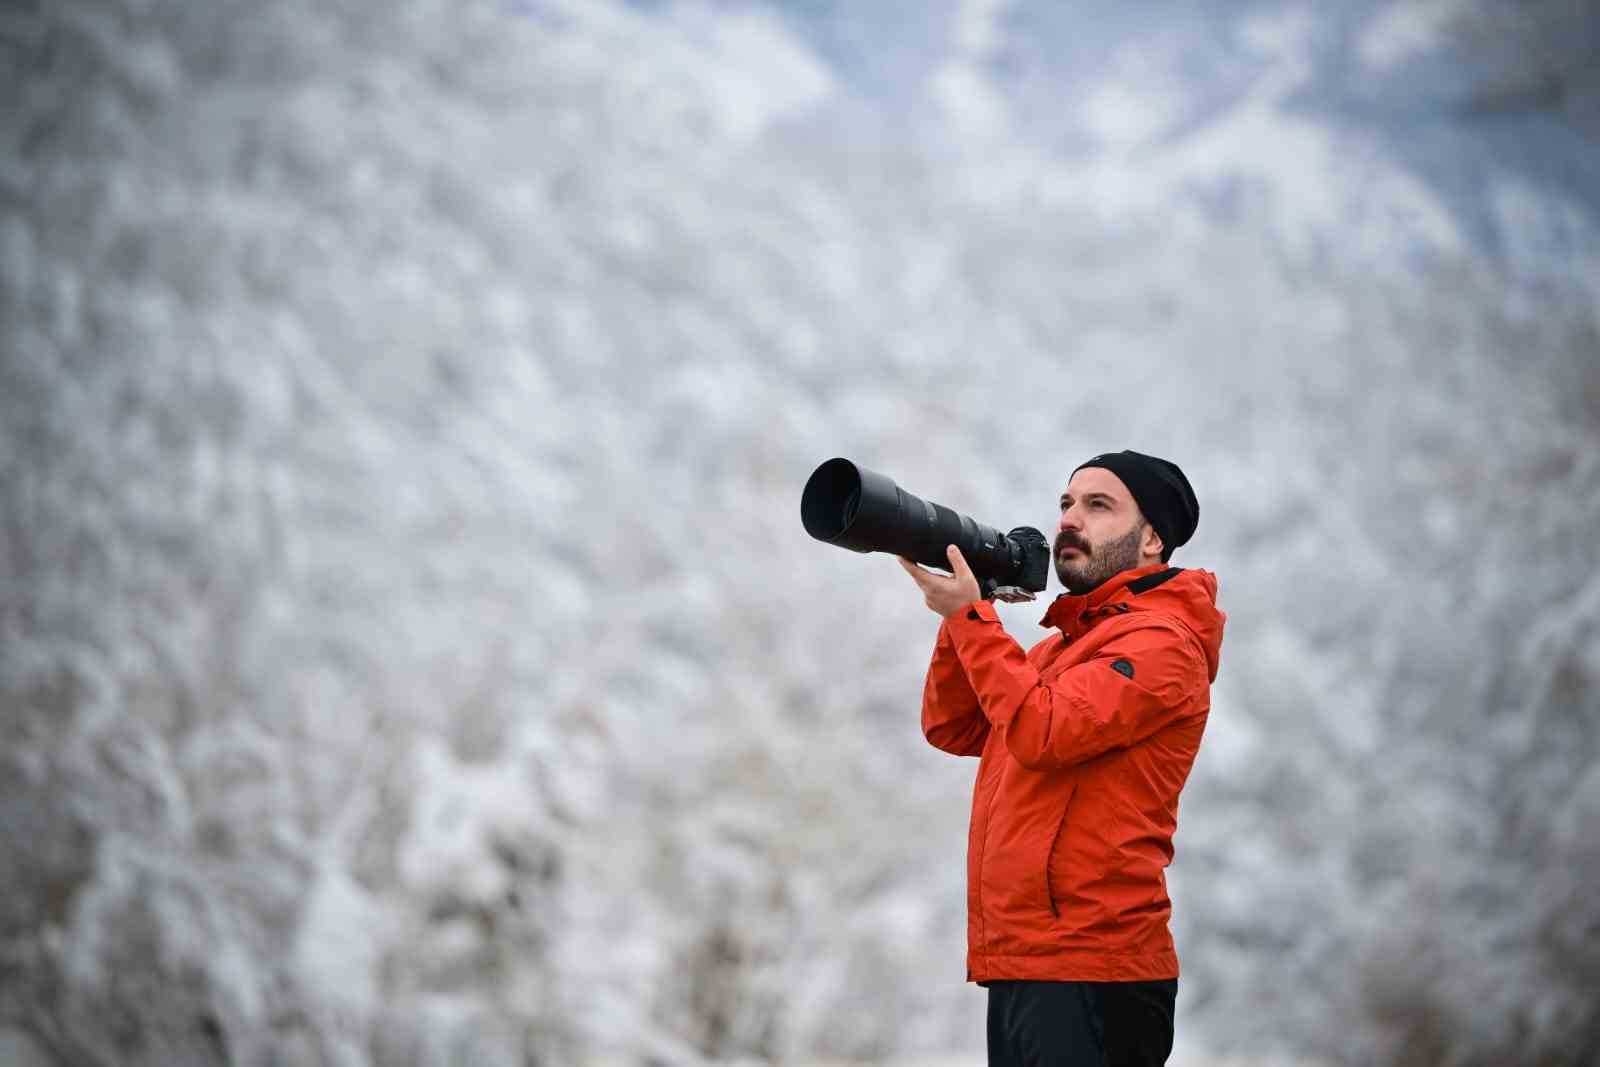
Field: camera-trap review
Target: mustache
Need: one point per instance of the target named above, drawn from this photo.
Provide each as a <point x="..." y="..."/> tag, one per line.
<point x="1067" y="540"/>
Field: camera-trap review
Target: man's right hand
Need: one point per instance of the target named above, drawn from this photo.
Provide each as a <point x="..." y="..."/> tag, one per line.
<point x="946" y="596"/>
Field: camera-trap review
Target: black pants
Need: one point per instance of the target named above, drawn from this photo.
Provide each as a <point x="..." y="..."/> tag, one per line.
<point x="1081" y="1024"/>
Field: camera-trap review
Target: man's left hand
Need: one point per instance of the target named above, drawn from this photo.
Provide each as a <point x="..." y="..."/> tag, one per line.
<point x="946" y="595"/>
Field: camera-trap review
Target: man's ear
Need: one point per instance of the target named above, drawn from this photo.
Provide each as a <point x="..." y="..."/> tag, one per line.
<point x="1150" y="544"/>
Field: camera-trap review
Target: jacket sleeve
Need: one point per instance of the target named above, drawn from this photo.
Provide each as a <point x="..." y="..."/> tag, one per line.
<point x="1137" y="683"/>
<point x="951" y="717"/>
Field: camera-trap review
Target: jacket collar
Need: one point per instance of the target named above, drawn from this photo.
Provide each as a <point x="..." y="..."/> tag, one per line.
<point x="1072" y="615"/>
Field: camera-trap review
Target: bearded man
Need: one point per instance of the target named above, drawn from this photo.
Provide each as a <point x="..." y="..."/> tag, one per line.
<point x="1084" y="743"/>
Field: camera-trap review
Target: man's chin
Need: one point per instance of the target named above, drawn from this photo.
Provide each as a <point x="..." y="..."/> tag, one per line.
<point x="1075" y="582"/>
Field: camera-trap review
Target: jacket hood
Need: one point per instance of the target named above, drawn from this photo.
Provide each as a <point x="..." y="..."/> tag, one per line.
<point x="1188" y="596"/>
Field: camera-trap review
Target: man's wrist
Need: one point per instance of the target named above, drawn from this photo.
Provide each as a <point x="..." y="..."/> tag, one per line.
<point x="974" y="611"/>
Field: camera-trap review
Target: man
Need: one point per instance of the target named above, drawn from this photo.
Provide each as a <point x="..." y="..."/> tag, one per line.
<point x="1085" y="742"/>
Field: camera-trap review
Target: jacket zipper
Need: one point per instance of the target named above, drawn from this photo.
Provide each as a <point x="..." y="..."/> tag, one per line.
<point x="983" y="852"/>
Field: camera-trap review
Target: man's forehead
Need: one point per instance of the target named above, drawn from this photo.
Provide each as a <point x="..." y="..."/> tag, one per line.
<point x="1097" y="480"/>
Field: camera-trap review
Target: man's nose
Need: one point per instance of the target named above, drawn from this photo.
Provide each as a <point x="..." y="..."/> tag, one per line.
<point x="1070" y="520"/>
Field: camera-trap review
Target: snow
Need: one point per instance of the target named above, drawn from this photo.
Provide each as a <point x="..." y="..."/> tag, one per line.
<point x="966" y="97"/>
<point x="1401" y="32"/>
<point x="409" y="649"/>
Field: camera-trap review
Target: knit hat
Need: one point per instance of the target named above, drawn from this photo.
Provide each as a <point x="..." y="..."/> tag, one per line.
<point x="1161" y="491"/>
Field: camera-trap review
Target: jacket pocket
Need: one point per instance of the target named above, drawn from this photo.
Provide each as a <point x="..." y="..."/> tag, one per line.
<point x="1050" y="853"/>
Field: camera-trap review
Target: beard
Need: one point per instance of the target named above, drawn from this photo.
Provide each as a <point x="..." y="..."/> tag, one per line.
<point x="1099" y="562"/>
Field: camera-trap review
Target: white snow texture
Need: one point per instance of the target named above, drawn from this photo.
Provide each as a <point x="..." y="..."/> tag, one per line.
<point x="409" y="649"/>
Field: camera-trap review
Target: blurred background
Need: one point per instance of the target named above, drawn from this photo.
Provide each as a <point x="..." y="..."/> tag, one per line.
<point x="409" y="649"/>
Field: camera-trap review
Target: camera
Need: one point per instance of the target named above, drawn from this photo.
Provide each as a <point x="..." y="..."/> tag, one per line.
<point x="852" y="507"/>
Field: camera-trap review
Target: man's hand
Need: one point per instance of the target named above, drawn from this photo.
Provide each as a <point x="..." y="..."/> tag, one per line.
<point x="946" y="595"/>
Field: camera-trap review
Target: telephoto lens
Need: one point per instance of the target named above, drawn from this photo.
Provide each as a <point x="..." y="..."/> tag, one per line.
<point x="850" y="506"/>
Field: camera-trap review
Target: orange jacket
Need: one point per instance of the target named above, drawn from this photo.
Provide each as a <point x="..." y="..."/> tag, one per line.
<point x="1085" y="742"/>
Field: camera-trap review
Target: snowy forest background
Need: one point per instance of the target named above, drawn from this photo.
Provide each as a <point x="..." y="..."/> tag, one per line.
<point x="409" y="649"/>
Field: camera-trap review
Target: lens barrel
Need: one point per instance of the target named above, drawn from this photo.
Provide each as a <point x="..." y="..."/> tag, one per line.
<point x="850" y="506"/>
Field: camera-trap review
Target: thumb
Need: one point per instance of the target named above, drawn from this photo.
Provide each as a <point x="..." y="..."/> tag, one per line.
<point x="958" y="562"/>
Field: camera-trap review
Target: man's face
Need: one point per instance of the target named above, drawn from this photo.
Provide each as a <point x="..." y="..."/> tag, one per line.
<point x="1100" y="533"/>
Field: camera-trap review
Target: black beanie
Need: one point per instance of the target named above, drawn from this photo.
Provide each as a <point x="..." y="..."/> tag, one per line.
<point x="1161" y="491"/>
